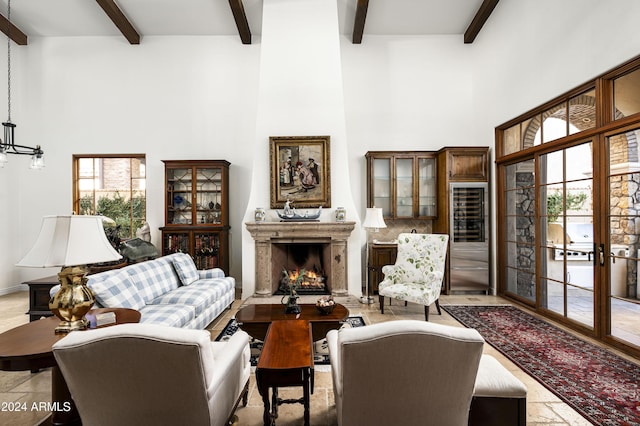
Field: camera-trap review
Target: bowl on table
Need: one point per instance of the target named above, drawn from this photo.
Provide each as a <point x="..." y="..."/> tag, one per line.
<point x="325" y="305"/>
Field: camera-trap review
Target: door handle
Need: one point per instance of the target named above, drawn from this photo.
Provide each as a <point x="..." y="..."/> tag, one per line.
<point x="601" y="251"/>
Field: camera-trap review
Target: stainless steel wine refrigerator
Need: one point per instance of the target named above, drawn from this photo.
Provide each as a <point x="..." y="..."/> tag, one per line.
<point x="469" y="237"/>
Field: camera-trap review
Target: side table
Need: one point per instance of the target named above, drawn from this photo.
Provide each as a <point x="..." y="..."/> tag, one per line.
<point x="286" y="360"/>
<point x="28" y="347"/>
<point x="380" y="254"/>
<point x="39" y="296"/>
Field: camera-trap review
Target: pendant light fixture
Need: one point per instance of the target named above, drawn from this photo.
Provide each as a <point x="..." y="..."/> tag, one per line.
<point x="8" y="144"/>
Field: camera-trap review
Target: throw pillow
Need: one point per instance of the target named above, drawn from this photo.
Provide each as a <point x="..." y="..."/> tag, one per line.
<point x="116" y="292"/>
<point x="186" y="269"/>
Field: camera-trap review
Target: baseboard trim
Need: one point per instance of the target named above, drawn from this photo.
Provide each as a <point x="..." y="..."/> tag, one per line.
<point x="13" y="289"/>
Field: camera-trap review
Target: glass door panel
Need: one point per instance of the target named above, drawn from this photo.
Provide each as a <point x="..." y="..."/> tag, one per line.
<point x="209" y="195"/>
<point x="382" y="185"/>
<point x="567" y="240"/>
<point x="426" y="187"/>
<point x="179" y="183"/>
<point x="622" y="253"/>
<point x="520" y="229"/>
<point x="404" y="187"/>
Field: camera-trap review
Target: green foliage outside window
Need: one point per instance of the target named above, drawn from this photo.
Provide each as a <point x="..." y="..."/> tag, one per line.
<point x="129" y="214"/>
<point x="555" y="207"/>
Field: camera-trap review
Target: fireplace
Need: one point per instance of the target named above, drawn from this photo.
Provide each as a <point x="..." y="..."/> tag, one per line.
<point x="300" y="245"/>
<point x="308" y="260"/>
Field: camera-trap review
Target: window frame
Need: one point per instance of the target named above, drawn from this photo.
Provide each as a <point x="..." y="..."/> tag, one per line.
<point x="76" y="187"/>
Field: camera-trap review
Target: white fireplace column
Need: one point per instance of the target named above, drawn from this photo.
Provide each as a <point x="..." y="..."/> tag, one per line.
<point x="300" y="93"/>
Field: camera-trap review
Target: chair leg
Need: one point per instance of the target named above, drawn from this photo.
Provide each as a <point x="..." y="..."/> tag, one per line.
<point x="426" y="313"/>
<point x="438" y="306"/>
<point x="381" y="299"/>
<point x="245" y="395"/>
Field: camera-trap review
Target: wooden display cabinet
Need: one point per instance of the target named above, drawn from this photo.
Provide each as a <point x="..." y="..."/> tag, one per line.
<point x="465" y="164"/>
<point x="197" y="211"/>
<point x="456" y="166"/>
<point x="402" y="183"/>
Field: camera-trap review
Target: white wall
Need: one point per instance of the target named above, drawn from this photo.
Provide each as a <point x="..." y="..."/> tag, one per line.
<point x="405" y="93"/>
<point x="169" y="98"/>
<point x="301" y="94"/>
<point x="197" y="97"/>
<point x="530" y="52"/>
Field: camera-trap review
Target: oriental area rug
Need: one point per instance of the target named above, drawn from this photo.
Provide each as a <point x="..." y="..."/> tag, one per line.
<point x="601" y="386"/>
<point x="321" y="349"/>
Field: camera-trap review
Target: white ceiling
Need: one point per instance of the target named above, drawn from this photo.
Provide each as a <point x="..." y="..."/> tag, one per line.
<point x="52" y="18"/>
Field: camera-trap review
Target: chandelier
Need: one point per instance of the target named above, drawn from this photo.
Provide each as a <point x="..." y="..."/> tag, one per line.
<point x="8" y="145"/>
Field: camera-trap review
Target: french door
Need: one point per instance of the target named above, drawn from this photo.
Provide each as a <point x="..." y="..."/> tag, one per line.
<point x="621" y="304"/>
<point x="571" y="235"/>
<point x="567" y="234"/>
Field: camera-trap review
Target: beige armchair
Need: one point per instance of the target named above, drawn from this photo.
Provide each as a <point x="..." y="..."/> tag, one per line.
<point x="404" y="373"/>
<point x="418" y="272"/>
<point x="142" y="374"/>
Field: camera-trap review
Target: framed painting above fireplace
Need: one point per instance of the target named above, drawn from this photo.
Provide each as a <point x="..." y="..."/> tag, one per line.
<point x="300" y="171"/>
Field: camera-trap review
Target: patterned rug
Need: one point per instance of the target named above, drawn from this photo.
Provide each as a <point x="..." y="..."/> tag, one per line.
<point x="321" y="349"/>
<point x="601" y="386"/>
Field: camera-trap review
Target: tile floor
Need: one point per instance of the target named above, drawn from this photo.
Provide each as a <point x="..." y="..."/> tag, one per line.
<point x="543" y="408"/>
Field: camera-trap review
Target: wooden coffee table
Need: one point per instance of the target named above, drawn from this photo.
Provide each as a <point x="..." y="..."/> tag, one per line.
<point x="28" y="347"/>
<point x="286" y="360"/>
<point x="255" y="319"/>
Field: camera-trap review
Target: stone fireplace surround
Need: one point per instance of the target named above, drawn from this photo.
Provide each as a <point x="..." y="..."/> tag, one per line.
<point x="335" y="234"/>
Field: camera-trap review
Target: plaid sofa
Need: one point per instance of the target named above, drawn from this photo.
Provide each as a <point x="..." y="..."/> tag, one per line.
<point x="167" y="291"/>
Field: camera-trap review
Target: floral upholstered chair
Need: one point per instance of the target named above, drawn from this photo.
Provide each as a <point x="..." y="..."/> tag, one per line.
<point x="418" y="272"/>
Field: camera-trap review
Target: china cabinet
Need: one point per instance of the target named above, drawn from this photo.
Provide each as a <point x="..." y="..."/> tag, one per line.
<point x="402" y="183"/>
<point x="197" y="211"/>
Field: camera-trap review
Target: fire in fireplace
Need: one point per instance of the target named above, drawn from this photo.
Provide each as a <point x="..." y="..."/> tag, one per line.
<point x="311" y="282"/>
<point x="302" y="262"/>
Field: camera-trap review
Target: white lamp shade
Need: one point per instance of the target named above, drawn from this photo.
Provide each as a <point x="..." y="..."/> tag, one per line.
<point x="70" y="241"/>
<point x="373" y="218"/>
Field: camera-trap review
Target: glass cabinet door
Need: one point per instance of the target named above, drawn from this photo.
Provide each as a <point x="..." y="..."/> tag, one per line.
<point x="403" y="184"/>
<point x="175" y="242"/>
<point x="206" y="250"/>
<point x="427" y="187"/>
<point x="382" y="185"/>
<point x="404" y="187"/>
<point x="208" y="195"/>
<point x="179" y="190"/>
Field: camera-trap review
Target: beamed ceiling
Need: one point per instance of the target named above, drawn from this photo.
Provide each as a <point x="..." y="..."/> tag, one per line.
<point x="135" y="19"/>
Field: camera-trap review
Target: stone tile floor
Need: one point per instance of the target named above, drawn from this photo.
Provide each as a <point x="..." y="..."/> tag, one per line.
<point x="543" y="408"/>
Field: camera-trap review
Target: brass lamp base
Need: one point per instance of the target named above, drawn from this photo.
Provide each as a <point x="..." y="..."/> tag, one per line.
<point x="73" y="300"/>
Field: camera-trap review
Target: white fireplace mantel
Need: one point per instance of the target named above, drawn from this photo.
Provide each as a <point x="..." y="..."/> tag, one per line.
<point x="267" y="233"/>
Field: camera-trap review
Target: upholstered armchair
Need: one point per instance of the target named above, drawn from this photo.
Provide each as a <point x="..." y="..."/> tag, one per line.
<point x="418" y="272"/>
<point x="404" y="372"/>
<point x="143" y="374"/>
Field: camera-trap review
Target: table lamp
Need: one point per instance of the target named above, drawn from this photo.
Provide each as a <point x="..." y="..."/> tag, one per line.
<point x="71" y="242"/>
<point x="372" y="220"/>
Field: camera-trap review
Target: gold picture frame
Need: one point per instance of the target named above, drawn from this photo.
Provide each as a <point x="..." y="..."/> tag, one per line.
<point x="300" y="171"/>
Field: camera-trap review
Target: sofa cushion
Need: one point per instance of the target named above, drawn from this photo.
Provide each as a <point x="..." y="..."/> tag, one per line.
<point x="186" y="269"/>
<point x="153" y="277"/>
<point x="201" y="294"/>
<point x="167" y="315"/>
<point x="117" y="291"/>
<point x="192" y="296"/>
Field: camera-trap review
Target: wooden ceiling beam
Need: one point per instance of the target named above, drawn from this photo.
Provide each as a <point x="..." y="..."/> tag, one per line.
<point x="481" y="17"/>
<point x="12" y="31"/>
<point x="117" y="17"/>
<point x="358" y="24"/>
<point x="241" y="21"/>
